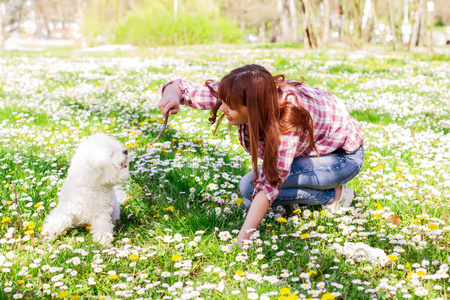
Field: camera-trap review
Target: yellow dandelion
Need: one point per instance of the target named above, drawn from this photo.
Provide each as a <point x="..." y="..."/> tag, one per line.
<point x="176" y="257"/>
<point x="133" y="257"/>
<point x="304" y="236"/>
<point x="421" y="273"/>
<point x="392" y="257"/>
<point x="75" y="297"/>
<point x="312" y="272"/>
<point x="170" y="208"/>
<point x="378" y="206"/>
<point x="6" y="219"/>
<point x="327" y="296"/>
<point x="20" y="282"/>
<point x="292" y="297"/>
<point x="282" y="298"/>
<point x="297" y="211"/>
<point x="433" y="227"/>
<point x="31" y="225"/>
<point x="239" y="273"/>
<point x="285" y="291"/>
<point x="281" y="220"/>
<point x="63" y="294"/>
<point x="113" y="277"/>
<point x="239" y="201"/>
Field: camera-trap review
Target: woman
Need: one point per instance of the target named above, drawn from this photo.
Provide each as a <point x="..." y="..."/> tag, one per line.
<point x="309" y="144"/>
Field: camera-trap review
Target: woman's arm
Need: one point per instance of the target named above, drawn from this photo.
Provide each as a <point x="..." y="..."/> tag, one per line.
<point x="170" y="101"/>
<point x="254" y="217"/>
<point x="187" y="93"/>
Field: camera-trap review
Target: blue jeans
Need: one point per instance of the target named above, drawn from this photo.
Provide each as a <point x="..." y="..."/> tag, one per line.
<point x="312" y="180"/>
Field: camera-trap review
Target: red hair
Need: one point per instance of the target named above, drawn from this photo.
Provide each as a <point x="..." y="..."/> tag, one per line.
<point x="254" y="87"/>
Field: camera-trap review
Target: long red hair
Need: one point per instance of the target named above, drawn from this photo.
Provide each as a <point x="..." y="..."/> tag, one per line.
<point x="254" y="87"/>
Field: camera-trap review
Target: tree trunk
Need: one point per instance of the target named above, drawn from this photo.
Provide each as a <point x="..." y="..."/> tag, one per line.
<point x="309" y="31"/>
<point x="275" y="29"/>
<point x="346" y="22"/>
<point x="429" y="32"/>
<point x="392" y="24"/>
<point x="368" y="29"/>
<point x="357" y="9"/>
<point x="293" y="16"/>
<point x="326" y="23"/>
<point x="4" y="20"/>
<point x="415" y="27"/>
<point x="283" y="11"/>
<point x="43" y="12"/>
<point x="80" y="21"/>
<point x="422" y="23"/>
<point x="262" y="32"/>
<point x="314" y="37"/>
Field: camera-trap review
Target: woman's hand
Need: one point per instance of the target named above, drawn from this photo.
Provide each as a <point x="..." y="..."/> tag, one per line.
<point x="256" y="213"/>
<point x="170" y="101"/>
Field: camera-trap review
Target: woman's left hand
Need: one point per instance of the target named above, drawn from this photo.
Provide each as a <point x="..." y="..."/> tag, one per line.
<point x="256" y="213"/>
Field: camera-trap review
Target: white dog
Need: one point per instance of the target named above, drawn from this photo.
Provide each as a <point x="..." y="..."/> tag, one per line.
<point x="88" y="196"/>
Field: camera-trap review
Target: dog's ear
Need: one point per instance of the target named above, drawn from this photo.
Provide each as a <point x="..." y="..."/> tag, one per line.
<point x="99" y="158"/>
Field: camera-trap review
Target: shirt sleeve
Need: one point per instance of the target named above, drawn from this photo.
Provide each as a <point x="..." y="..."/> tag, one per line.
<point x="289" y="144"/>
<point x="195" y="95"/>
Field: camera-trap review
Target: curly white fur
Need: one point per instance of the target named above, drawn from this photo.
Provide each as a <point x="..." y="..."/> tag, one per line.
<point x="88" y="196"/>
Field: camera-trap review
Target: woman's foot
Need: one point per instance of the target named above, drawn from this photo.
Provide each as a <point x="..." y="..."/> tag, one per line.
<point x="343" y="199"/>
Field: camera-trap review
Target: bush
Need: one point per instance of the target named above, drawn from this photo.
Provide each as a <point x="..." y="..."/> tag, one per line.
<point x="147" y="28"/>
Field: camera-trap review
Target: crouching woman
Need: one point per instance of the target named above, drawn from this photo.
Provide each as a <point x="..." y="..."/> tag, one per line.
<point x="309" y="145"/>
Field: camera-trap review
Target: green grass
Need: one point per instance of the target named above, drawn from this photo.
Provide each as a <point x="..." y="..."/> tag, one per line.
<point x="183" y="190"/>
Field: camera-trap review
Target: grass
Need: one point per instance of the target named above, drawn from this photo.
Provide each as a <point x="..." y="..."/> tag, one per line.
<point x="175" y="239"/>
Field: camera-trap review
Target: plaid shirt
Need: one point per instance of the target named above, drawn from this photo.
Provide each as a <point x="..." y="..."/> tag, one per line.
<point x="334" y="128"/>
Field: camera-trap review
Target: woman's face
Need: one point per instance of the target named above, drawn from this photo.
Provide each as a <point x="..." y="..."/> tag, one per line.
<point x="235" y="117"/>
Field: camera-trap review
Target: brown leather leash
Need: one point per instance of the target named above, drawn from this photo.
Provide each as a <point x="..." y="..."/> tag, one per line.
<point x="166" y="119"/>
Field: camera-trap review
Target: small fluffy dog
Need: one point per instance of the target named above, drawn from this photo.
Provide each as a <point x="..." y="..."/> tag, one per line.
<point x="88" y="196"/>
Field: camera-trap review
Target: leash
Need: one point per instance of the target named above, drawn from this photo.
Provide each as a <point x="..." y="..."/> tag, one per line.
<point x="166" y="119"/>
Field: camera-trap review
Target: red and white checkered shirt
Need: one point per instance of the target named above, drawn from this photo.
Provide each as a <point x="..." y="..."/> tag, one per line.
<point x="334" y="128"/>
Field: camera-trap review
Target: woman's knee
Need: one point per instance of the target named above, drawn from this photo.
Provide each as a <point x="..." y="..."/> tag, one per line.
<point x="245" y="185"/>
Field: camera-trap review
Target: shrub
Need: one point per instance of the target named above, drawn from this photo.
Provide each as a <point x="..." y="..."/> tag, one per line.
<point x="147" y="28"/>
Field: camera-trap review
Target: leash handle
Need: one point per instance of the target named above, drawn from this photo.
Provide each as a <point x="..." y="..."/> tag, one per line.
<point x="166" y="119"/>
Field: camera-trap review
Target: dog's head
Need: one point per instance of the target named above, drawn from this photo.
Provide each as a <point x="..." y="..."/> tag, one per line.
<point x="101" y="160"/>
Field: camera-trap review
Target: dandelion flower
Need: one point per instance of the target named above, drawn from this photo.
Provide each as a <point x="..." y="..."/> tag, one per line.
<point x="176" y="257"/>
<point x="392" y="257"/>
<point x="328" y="296"/>
<point x="133" y="257"/>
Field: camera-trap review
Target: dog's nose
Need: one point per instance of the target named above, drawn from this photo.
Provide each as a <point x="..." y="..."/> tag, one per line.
<point x="125" y="152"/>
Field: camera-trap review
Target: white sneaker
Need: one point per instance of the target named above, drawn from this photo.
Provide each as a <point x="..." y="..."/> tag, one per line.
<point x="347" y="196"/>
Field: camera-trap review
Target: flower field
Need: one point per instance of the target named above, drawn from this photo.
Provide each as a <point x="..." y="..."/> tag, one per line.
<point x="176" y="236"/>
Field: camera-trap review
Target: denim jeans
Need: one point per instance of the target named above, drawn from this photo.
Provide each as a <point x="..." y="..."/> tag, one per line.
<point x="312" y="179"/>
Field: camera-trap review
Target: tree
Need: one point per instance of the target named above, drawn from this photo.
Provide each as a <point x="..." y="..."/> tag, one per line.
<point x="417" y="19"/>
<point x="326" y="26"/>
<point x="310" y="39"/>
<point x="392" y="24"/>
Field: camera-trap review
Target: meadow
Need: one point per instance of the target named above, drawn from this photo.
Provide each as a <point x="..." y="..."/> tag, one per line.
<point x="177" y="235"/>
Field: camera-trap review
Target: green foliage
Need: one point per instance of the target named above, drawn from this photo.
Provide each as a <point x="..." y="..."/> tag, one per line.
<point x="147" y="28"/>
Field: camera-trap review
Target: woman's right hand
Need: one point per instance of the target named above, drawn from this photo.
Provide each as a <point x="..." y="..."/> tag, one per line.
<point x="170" y="101"/>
